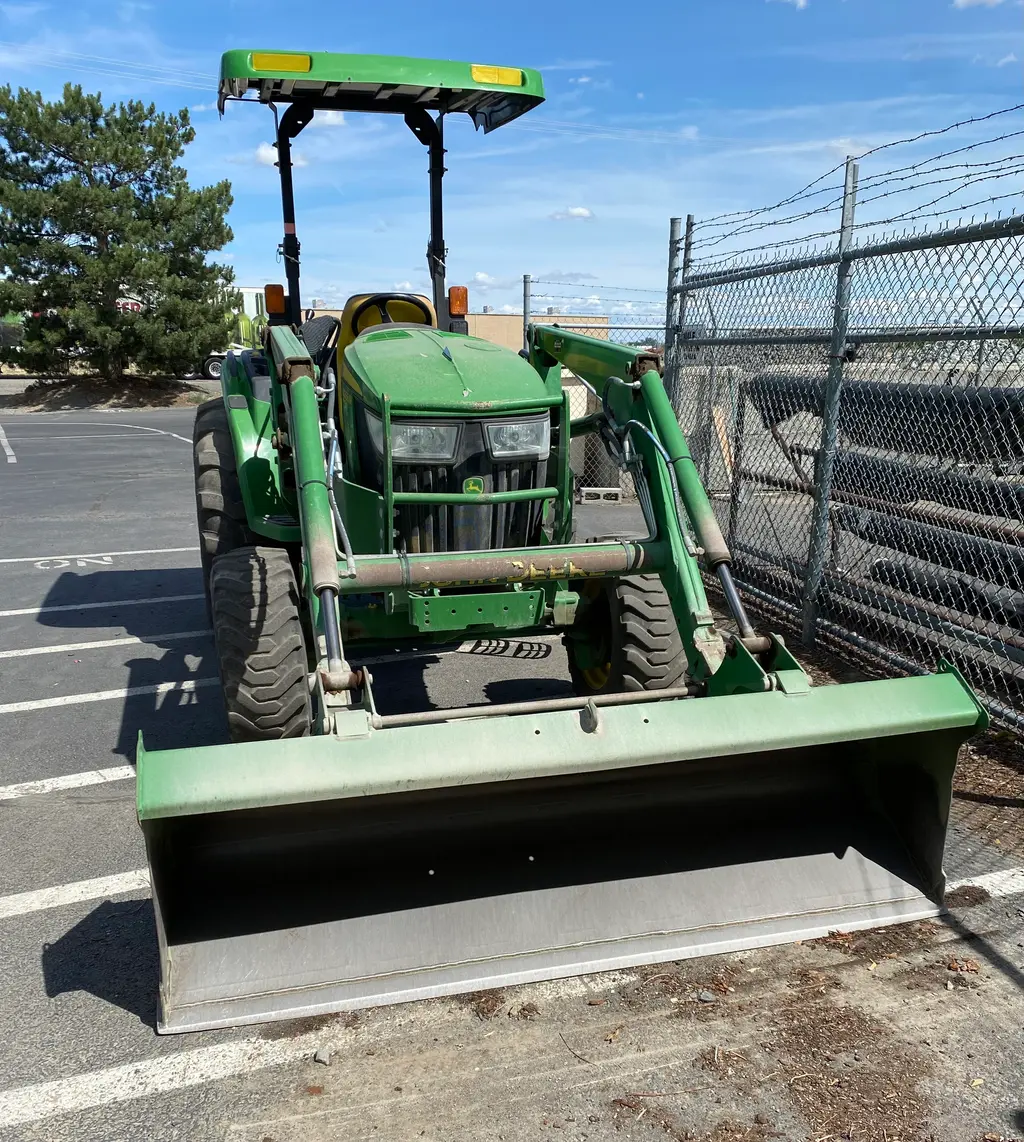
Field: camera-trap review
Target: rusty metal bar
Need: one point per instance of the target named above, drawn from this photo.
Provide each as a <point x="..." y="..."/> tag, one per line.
<point x="514" y="565"/>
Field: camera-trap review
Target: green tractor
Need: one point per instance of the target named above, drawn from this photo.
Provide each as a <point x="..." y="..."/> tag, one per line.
<point x="387" y="479"/>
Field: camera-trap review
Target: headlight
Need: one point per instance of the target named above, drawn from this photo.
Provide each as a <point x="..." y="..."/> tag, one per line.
<point x="509" y="440"/>
<point x="413" y="442"/>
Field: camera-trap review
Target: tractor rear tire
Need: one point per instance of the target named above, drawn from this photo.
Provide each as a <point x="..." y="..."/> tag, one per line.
<point x="631" y="633"/>
<point x="219" y="508"/>
<point x="260" y="649"/>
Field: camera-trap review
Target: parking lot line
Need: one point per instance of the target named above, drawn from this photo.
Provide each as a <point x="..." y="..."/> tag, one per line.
<point x="186" y="687"/>
<point x="8" y="450"/>
<point x="51" y="437"/>
<point x="141" y="428"/>
<point x="95" y="606"/>
<point x="1008" y="882"/>
<point x="127" y="640"/>
<point x="67" y="781"/>
<point x="99" y="554"/>
<point x="147" y="1077"/>
<point x="59" y="895"/>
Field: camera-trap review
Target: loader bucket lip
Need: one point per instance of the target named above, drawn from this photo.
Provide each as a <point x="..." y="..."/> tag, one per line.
<point x="225" y="778"/>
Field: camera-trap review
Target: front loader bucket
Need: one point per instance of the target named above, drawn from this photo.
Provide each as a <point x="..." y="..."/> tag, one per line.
<point x="304" y="876"/>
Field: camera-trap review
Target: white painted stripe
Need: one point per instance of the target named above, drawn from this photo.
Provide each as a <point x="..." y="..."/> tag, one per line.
<point x="96" y="606"/>
<point x="128" y="640"/>
<point x="60" y="895"/>
<point x="11" y="458"/>
<point x="99" y="554"/>
<point x="52" y="438"/>
<point x="148" y="1077"/>
<point x="141" y="428"/>
<point x="67" y="781"/>
<point x="1008" y="882"/>
<point x="107" y="695"/>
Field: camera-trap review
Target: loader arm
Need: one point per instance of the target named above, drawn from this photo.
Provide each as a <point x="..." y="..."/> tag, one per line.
<point x="637" y="417"/>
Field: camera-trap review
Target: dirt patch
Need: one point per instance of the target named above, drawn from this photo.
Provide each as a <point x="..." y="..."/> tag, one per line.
<point x="696" y="986"/>
<point x="293" y="1028"/>
<point x="848" y="1074"/>
<point x="638" y="1109"/>
<point x="882" y="943"/>
<point x="988" y="790"/>
<point x="485" y="1004"/>
<point x="967" y="896"/>
<point x="91" y="392"/>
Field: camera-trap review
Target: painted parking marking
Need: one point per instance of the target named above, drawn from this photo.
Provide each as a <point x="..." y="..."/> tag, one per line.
<point x="127" y="640"/>
<point x="54" y="438"/>
<point x="141" y="428"/>
<point x="161" y="688"/>
<point x="67" y="781"/>
<point x="8" y="450"/>
<point x="77" y="892"/>
<point x="1008" y="882"/>
<point x="157" y="599"/>
<point x="149" y="1077"/>
<point x="99" y="554"/>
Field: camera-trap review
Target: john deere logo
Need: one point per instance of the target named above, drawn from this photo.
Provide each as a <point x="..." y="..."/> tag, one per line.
<point x="474" y="486"/>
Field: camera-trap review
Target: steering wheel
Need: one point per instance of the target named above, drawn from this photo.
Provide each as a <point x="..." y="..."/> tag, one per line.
<point x="380" y="301"/>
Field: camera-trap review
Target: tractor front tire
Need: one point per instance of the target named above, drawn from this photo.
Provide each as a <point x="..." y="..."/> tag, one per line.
<point x="220" y="511"/>
<point x="260" y="649"/>
<point x="626" y="639"/>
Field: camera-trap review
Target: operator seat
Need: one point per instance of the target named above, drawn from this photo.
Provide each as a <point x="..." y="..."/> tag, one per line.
<point x="400" y="311"/>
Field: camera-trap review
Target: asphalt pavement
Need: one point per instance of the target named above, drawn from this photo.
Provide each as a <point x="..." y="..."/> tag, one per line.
<point x="103" y="633"/>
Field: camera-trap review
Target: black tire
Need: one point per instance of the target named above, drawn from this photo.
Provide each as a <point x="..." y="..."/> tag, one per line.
<point x="213" y="367"/>
<point x="220" y="511"/>
<point x="630" y="622"/>
<point x="260" y="650"/>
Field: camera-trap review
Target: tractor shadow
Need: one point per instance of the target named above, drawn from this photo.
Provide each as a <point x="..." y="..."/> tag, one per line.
<point x="176" y="653"/>
<point x="111" y="954"/>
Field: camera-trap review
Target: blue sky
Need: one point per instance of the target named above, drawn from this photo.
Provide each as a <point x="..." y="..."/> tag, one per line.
<point x="692" y="106"/>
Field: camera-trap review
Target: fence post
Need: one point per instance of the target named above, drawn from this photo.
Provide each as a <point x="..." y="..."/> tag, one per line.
<point x="672" y="309"/>
<point x="817" y="551"/>
<point x="526" y="311"/>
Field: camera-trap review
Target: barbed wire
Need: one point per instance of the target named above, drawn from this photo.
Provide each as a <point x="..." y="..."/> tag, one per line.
<point x="587" y="285"/>
<point x="1006" y="171"/>
<point x="808" y="191"/>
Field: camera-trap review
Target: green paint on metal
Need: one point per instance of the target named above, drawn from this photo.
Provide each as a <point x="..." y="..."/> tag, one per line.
<point x="445" y="374"/>
<point x="491" y="95"/>
<point x="495" y="611"/>
<point x="222" y="778"/>
<point x="364" y="515"/>
<point x="269" y="510"/>
<point x="600" y="363"/>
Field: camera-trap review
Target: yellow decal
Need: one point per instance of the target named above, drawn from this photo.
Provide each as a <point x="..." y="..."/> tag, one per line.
<point x="474" y="486"/>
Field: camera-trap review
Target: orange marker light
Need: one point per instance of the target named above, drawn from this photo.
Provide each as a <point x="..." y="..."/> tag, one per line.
<point x="274" y="295"/>
<point x="458" y="301"/>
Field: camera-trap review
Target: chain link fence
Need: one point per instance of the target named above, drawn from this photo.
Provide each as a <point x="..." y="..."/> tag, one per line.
<point x="856" y="409"/>
<point x="634" y="317"/>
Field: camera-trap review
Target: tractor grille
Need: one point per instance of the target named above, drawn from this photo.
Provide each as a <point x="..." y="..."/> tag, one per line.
<point x="429" y="527"/>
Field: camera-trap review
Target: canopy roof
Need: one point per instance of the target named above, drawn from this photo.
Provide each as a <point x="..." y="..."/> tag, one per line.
<point x="490" y="95"/>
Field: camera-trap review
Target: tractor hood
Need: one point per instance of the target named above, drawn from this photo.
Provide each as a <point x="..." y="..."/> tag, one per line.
<point x="426" y="370"/>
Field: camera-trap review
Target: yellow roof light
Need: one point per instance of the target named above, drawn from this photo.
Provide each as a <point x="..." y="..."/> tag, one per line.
<point x="506" y="76"/>
<point x="281" y="61"/>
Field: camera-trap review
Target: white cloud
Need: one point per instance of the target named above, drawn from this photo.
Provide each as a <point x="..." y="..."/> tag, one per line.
<point x="328" y="119"/>
<point x="581" y="79"/>
<point x="976" y="3"/>
<point x="404" y="287"/>
<point x="803" y="3"/>
<point x="197" y="107"/>
<point x="583" y="212"/>
<point x="639" y="95"/>
<point x="266" y="155"/>
<point x="574" y="276"/>
<point x="1007" y="59"/>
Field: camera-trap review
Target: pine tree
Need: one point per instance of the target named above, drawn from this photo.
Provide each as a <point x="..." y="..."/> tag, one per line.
<point x="95" y="210"/>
